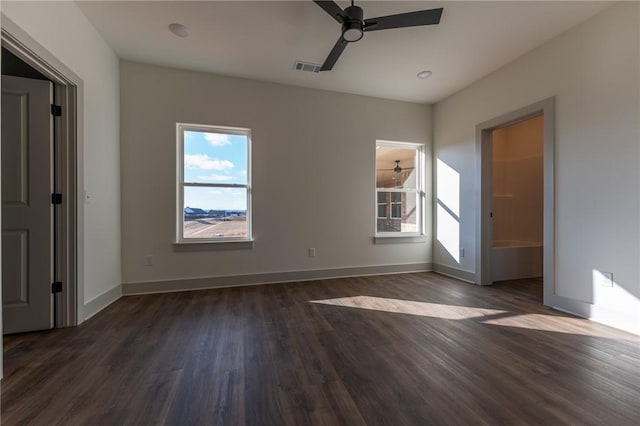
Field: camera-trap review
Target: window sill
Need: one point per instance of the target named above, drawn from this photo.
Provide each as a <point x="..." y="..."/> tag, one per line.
<point x="213" y="245"/>
<point x="399" y="239"/>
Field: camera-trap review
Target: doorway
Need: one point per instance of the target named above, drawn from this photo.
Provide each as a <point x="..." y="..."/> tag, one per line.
<point x="515" y="229"/>
<point x="517" y="206"/>
<point x="59" y="277"/>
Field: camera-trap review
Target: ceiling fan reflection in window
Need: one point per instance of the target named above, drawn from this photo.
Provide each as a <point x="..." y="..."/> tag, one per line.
<point x="400" y="174"/>
<point x="354" y="25"/>
<point x="397" y="168"/>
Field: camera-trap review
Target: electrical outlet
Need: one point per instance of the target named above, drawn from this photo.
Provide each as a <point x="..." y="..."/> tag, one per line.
<point x="602" y="279"/>
<point x="148" y="260"/>
<point x="312" y="252"/>
<point x="461" y="252"/>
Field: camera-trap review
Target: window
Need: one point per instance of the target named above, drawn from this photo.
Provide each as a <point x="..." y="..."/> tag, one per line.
<point x="399" y="189"/>
<point x="382" y="205"/>
<point x="396" y="205"/>
<point x="214" y="184"/>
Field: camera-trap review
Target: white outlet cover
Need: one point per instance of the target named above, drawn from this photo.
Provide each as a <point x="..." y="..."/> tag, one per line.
<point x="602" y="279"/>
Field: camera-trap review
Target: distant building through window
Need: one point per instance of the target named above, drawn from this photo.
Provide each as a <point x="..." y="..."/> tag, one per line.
<point x="214" y="183"/>
<point x="399" y="188"/>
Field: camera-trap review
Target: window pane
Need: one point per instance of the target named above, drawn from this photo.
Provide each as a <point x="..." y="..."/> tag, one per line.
<point x="396" y="210"/>
<point x="382" y="210"/>
<point x="382" y="197"/>
<point x="215" y="212"/>
<point x="404" y="214"/>
<point x="396" y="167"/>
<point x="215" y="158"/>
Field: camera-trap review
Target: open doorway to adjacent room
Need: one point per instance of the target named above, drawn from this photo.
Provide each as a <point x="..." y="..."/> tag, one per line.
<point x="516" y="202"/>
<point x="518" y="188"/>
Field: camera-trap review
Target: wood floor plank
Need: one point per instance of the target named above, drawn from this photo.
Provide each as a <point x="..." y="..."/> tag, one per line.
<point x="409" y="349"/>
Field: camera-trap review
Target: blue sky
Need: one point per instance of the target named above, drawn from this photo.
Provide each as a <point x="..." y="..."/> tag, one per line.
<point x="215" y="158"/>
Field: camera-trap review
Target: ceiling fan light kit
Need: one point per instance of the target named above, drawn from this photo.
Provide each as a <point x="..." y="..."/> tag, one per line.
<point x="354" y="25"/>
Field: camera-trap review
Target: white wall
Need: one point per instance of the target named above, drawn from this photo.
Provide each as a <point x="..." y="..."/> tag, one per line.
<point x="63" y="30"/>
<point x="593" y="71"/>
<point x="313" y="173"/>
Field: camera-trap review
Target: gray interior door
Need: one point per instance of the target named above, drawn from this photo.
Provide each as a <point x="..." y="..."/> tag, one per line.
<point x="27" y="212"/>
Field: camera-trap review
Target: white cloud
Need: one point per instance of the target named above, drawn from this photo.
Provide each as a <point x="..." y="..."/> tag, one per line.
<point x="204" y="162"/>
<point x="243" y="172"/>
<point x="216" y="178"/>
<point x="217" y="139"/>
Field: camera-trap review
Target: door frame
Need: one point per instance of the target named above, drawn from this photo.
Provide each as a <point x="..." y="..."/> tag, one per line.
<point x="68" y="93"/>
<point x="484" y="166"/>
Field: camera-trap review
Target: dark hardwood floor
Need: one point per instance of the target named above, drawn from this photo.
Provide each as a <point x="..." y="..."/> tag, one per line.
<point x="413" y="349"/>
<point x="532" y="287"/>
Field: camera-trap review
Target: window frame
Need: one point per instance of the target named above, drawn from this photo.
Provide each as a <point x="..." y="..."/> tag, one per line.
<point x="181" y="128"/>
<point x="419" y="190"/>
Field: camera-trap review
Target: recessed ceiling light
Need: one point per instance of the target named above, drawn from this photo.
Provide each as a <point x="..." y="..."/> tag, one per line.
<point x="424" y="74"/>
<point x="179" y="30"/>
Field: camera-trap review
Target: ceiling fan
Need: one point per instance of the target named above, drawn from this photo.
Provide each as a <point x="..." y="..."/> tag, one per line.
<point x="397" y="168"/>
<point x="354" y="25"/>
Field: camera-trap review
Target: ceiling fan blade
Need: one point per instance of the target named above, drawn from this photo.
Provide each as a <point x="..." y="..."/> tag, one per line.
<point x="334" y="54"/>
<point x="332" y="9"/>
<point x="402" y="20"/>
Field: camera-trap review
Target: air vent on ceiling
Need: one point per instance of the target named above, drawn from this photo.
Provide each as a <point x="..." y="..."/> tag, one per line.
<point x="306" y="66"/>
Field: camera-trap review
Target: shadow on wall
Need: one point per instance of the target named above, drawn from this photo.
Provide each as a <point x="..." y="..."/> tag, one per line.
<point x="448" y="209"/>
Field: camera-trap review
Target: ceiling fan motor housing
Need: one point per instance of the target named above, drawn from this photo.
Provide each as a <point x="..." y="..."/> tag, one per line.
<point x="352" y="26"/>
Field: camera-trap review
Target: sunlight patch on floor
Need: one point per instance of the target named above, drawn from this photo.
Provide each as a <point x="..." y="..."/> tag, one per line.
<point x="540" y="322"/>
<point x="409" y="307"/>
<point x="559" y="324"/>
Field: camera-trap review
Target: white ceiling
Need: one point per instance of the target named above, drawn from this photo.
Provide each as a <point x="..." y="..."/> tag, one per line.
<point x="262" y="39"/>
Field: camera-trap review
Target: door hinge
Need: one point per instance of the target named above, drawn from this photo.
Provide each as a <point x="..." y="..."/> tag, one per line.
<point x="56" y="110"/>
<point x="56" y="198"/>
<point x="56" y="287"/>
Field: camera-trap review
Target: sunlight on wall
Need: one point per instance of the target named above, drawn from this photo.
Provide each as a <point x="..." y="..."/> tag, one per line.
<point x="448" y="187"/>
<point x="600" y="283"/>
<point x="448" y="232"/>
<point x="409" y="307"/>
<point x="613" y="303"/>
<point x="448" y="209"/>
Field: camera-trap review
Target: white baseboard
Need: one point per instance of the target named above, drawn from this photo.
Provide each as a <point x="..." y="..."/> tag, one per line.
<point x="189" y="284"/>
<point x="456" y="273"/>
<point x="100" y="302"/>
